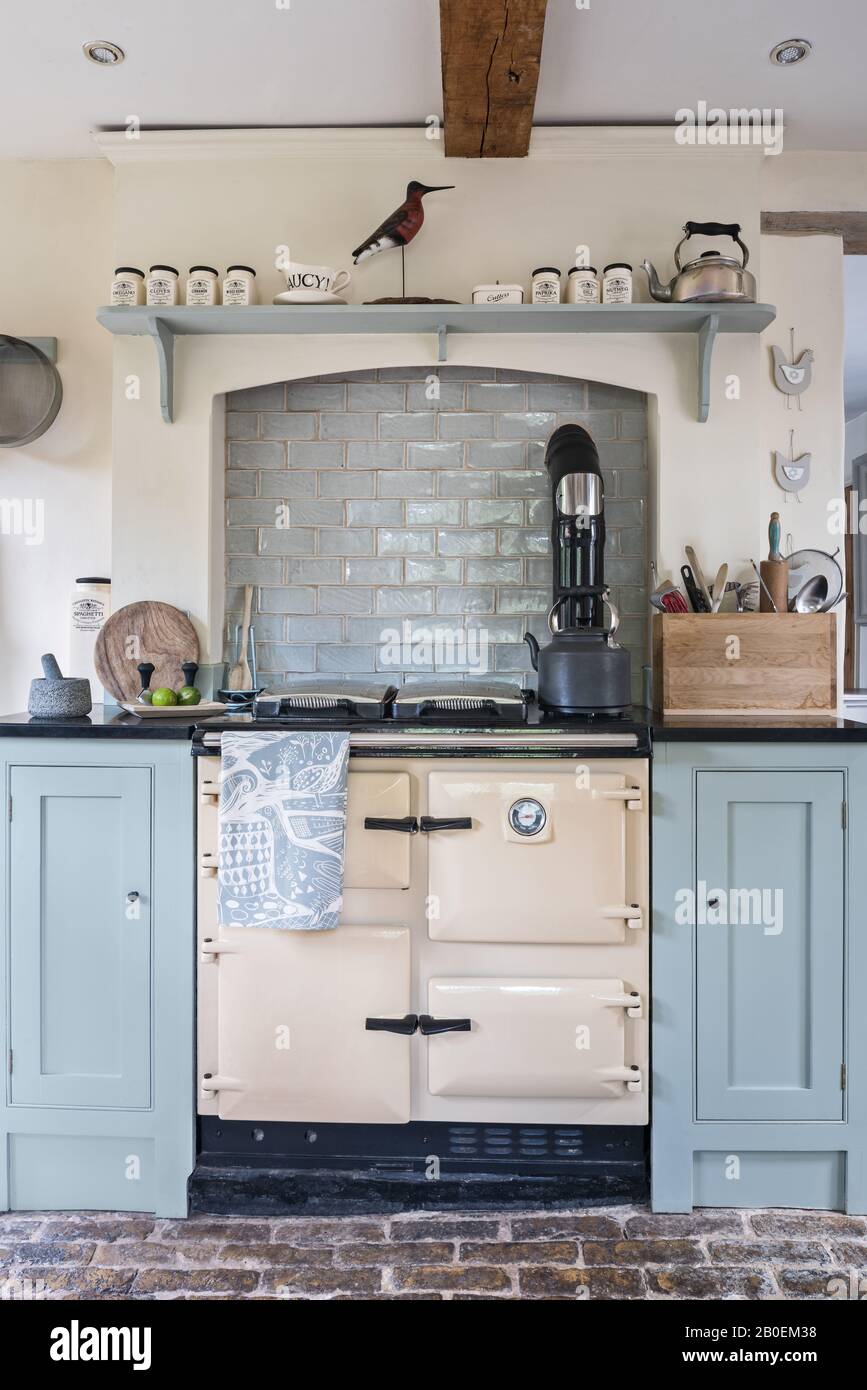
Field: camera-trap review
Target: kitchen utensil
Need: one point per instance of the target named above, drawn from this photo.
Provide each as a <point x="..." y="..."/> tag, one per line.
<point x="240" y="677"/>
<point x="699" y="576"/>
<point x="53" y="696"/>
<point x="811" y="597"/>
<point x="581" y="670"/>
<point x="696" y="597"/>
<point x="192" y="713"/>
<point x="719" y="587"/>
<point x="805" y="564"/>
<point x="774" y="571"/>
<point x="711" y="278"/>
<point x="31" y="392"/>
<point x="764" y="586"/>
<point x="674" y="602"/>
<point x="144" y="632"/>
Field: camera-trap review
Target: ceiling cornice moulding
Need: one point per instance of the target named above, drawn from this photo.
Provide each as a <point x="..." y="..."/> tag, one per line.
<point x="552" y="143"/>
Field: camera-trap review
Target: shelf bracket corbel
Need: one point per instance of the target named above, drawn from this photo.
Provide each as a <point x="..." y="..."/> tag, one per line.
<point x="706" y="339"/>
<point x="442" y="343"/>
<point x="164" y="342"/>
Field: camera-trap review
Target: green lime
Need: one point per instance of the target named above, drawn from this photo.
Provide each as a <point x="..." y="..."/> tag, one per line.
<point x="189" y="695"/>
<point x="164" y="696"/>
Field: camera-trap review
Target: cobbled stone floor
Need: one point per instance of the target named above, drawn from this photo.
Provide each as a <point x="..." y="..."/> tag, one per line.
<point x="612" y="1252"/>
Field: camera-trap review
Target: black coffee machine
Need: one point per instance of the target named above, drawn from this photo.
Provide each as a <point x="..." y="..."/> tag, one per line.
<point x="582" y="670"/>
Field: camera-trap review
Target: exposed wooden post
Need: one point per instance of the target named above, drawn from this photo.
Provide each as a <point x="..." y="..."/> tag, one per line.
<point x="490" y="66"/>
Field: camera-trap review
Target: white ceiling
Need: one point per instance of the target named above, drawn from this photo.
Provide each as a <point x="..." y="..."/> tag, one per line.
<point x="855" y="359"/>
<point x="376" y="62"/>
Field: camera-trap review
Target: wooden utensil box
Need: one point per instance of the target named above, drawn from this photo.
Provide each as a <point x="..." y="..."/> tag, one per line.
<point x="720" y="662"/>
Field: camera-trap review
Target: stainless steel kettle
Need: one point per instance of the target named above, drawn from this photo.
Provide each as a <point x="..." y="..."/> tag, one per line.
<point x="712" y="278"/>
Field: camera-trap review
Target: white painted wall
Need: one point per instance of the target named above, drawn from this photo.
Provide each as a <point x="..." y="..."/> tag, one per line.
<point x="180" y="199"/>
<point x="55" y="252"/>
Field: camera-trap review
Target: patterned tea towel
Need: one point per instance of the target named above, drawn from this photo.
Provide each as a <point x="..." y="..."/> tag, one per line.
<point x="282" y="830"/>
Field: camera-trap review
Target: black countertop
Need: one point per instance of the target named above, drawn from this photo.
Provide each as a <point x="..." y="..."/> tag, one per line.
<point x="105" y="722"/>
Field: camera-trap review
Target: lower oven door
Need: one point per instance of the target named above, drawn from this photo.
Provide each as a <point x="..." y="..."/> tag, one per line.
<point x="546" y="857"/>
<point x="293" y="1015"/>
<point x="526" y="1038"/>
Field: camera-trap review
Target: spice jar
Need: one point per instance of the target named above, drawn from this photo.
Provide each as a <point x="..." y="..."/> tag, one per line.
<point x="239" y="285"/>
<point x="162" y="285"/>
<point x="202" y="285"/>
<point x="127" y="287"/>
<point x="617" y="283"/>
<point x="546" y="285"/>
<point x="583" y="285"/>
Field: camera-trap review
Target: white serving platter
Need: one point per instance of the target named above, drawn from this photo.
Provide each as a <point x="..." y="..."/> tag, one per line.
<point x="203" y="708"/>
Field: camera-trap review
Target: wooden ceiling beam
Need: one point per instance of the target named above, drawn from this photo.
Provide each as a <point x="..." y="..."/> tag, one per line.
<point x="490" y="65"/>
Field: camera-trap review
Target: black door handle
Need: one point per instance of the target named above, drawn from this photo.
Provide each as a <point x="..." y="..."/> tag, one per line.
<point x="407" y="824"/>
<point x="406" y="1026"/>
<point x="428" y="823"/>
<point x="428" y="1025"/>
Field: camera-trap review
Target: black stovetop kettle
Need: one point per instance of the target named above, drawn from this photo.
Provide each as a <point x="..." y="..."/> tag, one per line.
<point x="582" y="670"/>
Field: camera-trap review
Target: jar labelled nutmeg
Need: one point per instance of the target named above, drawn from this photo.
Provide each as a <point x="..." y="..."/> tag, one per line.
<point x="617" y="283"/>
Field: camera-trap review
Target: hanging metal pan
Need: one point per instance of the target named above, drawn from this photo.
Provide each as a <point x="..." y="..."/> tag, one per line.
<point x="30" y="392"/>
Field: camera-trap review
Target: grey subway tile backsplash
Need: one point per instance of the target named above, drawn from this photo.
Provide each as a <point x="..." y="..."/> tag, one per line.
<point x="416" y="495"/>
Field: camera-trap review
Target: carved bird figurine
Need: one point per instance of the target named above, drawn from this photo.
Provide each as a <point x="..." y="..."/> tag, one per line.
<point x="792" y="377"/>
<point x="402" y="225"/>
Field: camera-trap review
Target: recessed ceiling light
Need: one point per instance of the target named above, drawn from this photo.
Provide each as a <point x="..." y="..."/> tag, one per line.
<point x="791" y="51"/>
<point x="106" y="54"/>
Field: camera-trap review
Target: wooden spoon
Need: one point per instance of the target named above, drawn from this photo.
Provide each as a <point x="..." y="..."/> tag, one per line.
<point x="719" y="587"/>
<point x="240" y="676"/>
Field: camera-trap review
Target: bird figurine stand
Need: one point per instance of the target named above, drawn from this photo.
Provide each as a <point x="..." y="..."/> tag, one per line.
<point x="398" y="230"/>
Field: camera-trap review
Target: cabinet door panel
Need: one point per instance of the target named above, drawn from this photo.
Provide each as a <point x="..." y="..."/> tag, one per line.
<point x="769" y="976"/>
<point x="80" y="953"/>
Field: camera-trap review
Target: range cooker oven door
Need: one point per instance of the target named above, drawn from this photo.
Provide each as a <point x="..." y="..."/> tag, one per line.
<point x="545" y="859"/>
<point x="310" y="1025"/>
<point x="531" y="1038"/>
<point x="377" y="856"/>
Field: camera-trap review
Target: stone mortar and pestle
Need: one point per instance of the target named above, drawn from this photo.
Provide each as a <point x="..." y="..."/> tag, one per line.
<point x="54" y="696"/>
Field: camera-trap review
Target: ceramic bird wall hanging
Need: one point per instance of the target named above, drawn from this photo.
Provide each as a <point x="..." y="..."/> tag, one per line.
<point x="792" y="377"/>
<point x="792" y="473"/>
<point x="398" y="230"/>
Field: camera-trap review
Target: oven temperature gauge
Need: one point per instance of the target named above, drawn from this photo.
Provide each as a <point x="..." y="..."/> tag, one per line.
<point x="527" y="817"/>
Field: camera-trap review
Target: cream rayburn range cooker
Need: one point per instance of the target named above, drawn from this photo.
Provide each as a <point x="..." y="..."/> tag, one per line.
<point x="485" y="996"/>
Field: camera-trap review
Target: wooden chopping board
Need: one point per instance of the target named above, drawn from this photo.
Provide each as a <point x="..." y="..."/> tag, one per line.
<point x="148" y="631"/>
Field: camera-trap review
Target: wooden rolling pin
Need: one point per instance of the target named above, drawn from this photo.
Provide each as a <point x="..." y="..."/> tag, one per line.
<point x="775" y="572"/>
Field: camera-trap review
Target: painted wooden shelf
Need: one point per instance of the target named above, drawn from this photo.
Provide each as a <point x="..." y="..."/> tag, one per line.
<point x="705" y="321"/>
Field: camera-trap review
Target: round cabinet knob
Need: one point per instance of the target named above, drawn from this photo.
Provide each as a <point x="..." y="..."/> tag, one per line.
<point x="132" y="897"/>
<point x="527" y="816"/>
<point x="713" y="902"/>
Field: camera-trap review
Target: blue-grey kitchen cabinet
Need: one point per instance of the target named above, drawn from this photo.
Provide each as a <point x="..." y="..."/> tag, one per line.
<point x="97" y="961"/>
<point x="759" y="973"/>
